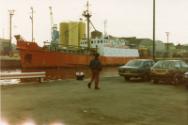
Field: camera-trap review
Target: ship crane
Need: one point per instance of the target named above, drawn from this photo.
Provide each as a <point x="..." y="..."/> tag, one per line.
<point x="51" y="20"/>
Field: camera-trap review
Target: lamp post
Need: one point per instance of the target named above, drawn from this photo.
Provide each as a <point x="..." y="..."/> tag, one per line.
<point x="11" y="13"/>
<point x="153" y="29"/>
<point x="31" y="17"/>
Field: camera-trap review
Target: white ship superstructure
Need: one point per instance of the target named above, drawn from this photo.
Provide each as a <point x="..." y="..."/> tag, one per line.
<point x="111" y="47"/>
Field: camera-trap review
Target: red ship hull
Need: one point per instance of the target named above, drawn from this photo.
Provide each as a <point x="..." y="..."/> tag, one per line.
<point x="33" y="56"/>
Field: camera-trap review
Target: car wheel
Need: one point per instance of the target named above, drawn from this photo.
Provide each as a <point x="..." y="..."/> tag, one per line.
<point x="146" y="77"/>
<point x="127" y="78"/>
<point x="176" y="79"/>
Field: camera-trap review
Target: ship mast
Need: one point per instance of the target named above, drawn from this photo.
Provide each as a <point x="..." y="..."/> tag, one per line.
<point x="87" y="15"/>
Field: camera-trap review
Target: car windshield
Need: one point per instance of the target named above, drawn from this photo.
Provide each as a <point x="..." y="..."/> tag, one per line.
<point x="170" y="64"/>
<point x="164" y="64"/>
<point x="136" y="63"/>
<point x="183" y="64"/>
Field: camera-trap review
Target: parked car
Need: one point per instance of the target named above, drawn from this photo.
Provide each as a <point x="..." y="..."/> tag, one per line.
<point x="168" y="70"/>
<point x="136" y="68"/>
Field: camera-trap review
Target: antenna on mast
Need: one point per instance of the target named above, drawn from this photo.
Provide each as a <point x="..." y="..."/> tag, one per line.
<point x="87" y="15"/>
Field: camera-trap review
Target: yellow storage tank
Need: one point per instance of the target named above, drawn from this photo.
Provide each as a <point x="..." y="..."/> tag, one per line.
<point x="82" y="31"/>
<point x="73" y="33"/>
<point x="64" y="33"/>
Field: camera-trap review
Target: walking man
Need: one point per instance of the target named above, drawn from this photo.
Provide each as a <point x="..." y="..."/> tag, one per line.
<point x="95" y="66"/>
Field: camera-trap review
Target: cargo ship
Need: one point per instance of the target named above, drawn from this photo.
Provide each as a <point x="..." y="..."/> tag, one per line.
<point x="34" y="56"/>
<point x="57" y="56"/>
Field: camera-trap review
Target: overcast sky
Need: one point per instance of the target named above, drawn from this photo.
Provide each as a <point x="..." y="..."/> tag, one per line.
<point x="124" y="17"/>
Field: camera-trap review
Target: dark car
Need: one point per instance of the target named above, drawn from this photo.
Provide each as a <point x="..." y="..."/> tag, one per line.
<point x="136" y="68"/>
<point x="169" y="70"/>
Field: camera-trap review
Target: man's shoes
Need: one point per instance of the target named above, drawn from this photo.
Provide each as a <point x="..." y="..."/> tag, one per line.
<point x="97" y="88"/>
<point x="89" y="85"/>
